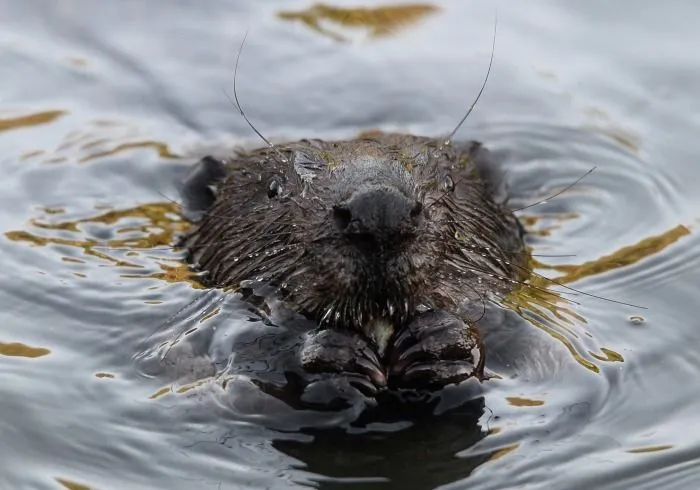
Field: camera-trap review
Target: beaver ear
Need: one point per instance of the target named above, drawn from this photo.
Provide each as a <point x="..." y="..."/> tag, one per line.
<point x="199" y="188"/>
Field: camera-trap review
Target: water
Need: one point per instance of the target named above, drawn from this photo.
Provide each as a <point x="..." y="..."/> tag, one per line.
<point x="104" y="102"/>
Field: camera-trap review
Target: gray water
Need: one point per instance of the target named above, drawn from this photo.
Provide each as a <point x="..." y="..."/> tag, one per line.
<point x="105" y="104"/>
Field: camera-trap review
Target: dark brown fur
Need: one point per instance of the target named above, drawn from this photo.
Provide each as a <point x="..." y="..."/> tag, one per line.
<point x="467" y="247"/>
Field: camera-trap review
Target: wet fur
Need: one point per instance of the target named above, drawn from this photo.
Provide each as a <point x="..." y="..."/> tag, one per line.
<point x="467" y="249"/>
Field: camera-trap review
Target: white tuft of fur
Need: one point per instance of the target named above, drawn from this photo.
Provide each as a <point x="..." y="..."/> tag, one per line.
<point x="380" y="332"/>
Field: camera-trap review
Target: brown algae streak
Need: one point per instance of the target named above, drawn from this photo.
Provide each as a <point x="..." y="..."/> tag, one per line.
<point x="71" y="485"/>
<point x="621" y="258"/>
<point x="504" y="451"/>
<point x="158" y="225"/>
<point x="161" y="148"/>
<point x="379" y="21"/>
<point x="536" y="296"/>
<point x="651" y="449"/>
<point x="102" y="139"/>
<point x="16" y="349"/>
<point x="517" y="401"/>
<point x="29" y="120"/>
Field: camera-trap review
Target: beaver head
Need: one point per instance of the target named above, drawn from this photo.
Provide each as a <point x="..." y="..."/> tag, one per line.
<point x="361" y="234"/>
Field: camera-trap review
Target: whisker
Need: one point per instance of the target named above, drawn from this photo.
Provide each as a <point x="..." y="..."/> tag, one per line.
<point x="475" y="247"/>
<point x="170" y="200"/>
<point x="534" y="308"/>
<point x="481" y="273"/>
<point x="543" y="201"/>
<point x="448" y="140"/>
<point x="237" y="104"/>
<point x="553" y="281"/>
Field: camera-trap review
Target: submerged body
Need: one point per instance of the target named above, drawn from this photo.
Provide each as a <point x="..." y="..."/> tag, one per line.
<point x="391" y="244"/>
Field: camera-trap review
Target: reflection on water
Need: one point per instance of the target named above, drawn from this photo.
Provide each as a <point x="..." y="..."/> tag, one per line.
<point x="22" y="350"/>
<point x="101" y="102"/>
<point x="430" y="442"/>
<point x="378" y="21"/>
<point x="161" y="148"/>
<point x="523" y="402"/>
<point x="651" y="449"/>
<point x="7" y="124"/>
<point x="145" y="227"/>
<point x="100" y="139"/>
<point x="623" y="257"/>
<point x="70" y="485"/>
<point x="536" y="300"/>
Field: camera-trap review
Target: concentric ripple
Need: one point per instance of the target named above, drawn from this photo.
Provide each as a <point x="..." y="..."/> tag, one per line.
<point x="580" y="252"/>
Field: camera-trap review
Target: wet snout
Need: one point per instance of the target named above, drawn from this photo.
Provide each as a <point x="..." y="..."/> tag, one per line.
<point x="378" y="213"/>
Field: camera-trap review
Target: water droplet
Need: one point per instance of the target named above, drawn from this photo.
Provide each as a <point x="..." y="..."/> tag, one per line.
<point x="327" y="314"/>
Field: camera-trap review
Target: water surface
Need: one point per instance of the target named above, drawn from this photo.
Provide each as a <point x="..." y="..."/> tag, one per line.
<point x="105" y="104"/>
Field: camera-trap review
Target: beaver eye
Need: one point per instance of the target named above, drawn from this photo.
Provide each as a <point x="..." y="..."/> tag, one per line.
<point x="448" y="184"/>
<point x="275" y="189"/>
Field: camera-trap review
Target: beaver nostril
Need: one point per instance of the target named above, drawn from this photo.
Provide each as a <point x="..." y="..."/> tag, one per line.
<point x="378" y="213"/>
<point x="342" y="217"/>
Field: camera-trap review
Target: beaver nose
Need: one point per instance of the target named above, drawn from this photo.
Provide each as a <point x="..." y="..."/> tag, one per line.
<point x="378" y="213"/>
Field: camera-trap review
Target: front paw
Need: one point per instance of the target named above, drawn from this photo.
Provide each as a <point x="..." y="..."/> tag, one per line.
<point x="434" y="350"/>
<point x="345" y="355"/>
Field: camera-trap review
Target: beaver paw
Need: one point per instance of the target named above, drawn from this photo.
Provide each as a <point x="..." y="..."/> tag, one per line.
<point x="434" y="350"/>
<point x="345" y="354"/>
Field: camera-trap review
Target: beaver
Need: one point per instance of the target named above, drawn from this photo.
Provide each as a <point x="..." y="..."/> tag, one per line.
<point x="390" y="243"/>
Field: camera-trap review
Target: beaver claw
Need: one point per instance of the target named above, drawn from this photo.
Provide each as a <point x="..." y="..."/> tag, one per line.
<point x="334" y="352"/>
<point x="434" y="350"/>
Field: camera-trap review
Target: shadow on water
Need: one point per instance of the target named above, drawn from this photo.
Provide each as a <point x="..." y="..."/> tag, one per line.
<point x="418" y="451"/>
